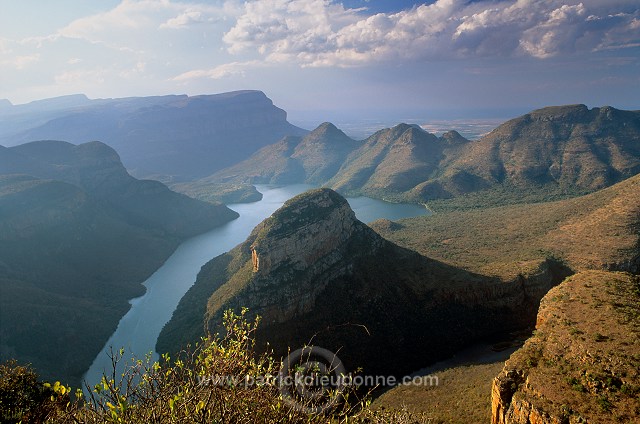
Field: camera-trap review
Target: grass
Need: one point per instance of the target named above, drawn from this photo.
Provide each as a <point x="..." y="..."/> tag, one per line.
<point x="462" y="396"/>
<point x="595" y="376"/>
<point x="587" y="232"/>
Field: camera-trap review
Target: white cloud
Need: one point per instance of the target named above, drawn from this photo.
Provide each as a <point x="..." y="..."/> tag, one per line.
<point x="20" y="62"/>
<point x="219" y="72"/>
<point x="82" y="77"/>
<point x="324" y="33"/>
<point x="184" y="20"/>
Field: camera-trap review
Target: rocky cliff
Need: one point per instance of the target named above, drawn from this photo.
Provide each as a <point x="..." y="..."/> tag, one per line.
<point x="316" y="274"/>
<point x="581" y="366"/>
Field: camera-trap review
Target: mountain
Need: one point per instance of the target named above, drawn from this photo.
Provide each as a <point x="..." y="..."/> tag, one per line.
<point x="312" y="159"/>
<point x="589" y="234"/>
<point x="317" y="274"/>
<point x="395" y="160"/>
<point x="564" y="149"/>
<point x="582" y="363"/>
<point x="550" y="153"/>
<point x="78" y="236"/>
<point x="170" y="137"/>
<point x="561" y="148"/>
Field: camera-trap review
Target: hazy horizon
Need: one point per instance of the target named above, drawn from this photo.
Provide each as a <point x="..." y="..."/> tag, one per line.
<point x="444" y="59"/>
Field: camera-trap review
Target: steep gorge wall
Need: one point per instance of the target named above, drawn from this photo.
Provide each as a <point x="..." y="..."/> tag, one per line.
<point x="582" y="365"/>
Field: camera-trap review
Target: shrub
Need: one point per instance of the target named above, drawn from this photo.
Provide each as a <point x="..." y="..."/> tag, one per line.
<point x="184" y="389"/>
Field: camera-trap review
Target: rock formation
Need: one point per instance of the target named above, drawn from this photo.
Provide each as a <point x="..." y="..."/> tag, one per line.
<point x="581" y="366"/>
<point x="316" y="274"/>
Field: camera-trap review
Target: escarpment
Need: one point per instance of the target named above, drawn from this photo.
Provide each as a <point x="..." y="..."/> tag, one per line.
<point x="581" y="366"/>
<point x="315" y="274"/>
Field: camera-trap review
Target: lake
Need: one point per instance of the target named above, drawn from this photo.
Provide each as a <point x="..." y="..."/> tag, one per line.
<point x="139" y="329"/>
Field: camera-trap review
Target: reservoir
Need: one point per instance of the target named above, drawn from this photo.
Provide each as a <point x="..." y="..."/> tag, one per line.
<point x="138" y="330"/>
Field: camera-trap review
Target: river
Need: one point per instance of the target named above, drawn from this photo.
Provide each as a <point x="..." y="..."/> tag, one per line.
<point x="139" y="329"/>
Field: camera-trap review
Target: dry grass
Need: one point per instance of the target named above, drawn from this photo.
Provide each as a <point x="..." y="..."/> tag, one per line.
<point x="463" y="395"/>
<point x="587" y="232"/>
<point x="584" y="358"/>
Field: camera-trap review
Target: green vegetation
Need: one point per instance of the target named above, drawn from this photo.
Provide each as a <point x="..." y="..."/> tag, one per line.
<point x="514" y="240"/>
<point x="207" y="384"/>
<point x="311" y="159"/>
<point x="548" y="154"/>
<point x="462" y="396"/>
<point x="218" y="192"/>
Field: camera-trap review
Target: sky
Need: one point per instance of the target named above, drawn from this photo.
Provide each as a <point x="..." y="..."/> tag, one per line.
<point x="355" y="58"/>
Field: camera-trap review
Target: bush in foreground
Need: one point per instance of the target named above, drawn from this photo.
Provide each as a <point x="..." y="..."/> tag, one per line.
<point x="180" y="390"/>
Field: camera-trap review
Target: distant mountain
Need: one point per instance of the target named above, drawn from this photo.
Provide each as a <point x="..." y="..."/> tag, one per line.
<point x="318" y="275"/>
<point x="311" y="159"/>
<point x="551" y="152"/>
<point x="395" y="161"/>
<point x="562" y="147"/>
<point x="169" y="137"/>
<point x="78" y="236"/>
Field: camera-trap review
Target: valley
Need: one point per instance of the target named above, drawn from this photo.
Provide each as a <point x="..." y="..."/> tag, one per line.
<point x="550" y="195"/>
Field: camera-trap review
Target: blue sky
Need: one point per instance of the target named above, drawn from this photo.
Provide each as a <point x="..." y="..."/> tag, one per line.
<point x="353" y="58"/>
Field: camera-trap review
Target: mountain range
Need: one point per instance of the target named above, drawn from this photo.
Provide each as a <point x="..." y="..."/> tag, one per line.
<point x="168" y="137"/>
<point x="78" y="236"/>
<point x="561" y="150"/>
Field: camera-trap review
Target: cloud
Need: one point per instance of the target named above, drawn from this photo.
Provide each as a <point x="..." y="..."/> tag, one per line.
<point x="324" y="33"/>
<point x="221" y="71"/>
<point x="184" y="20"/>
<point x="20" y="62"/>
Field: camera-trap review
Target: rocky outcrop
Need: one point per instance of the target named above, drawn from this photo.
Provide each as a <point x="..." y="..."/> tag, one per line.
<point x="581" y="365"/>
<point x="312" y="271"/>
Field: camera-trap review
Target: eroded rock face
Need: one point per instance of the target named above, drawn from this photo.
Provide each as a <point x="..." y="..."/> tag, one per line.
<point x="302" y="242"/>
<point x="581" y="366"/>
<point x="297" y="241"/>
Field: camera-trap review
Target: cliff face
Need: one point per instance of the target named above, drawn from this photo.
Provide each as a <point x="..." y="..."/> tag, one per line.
<point x="314" y="272"/>
<point x="581" y="366"/>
